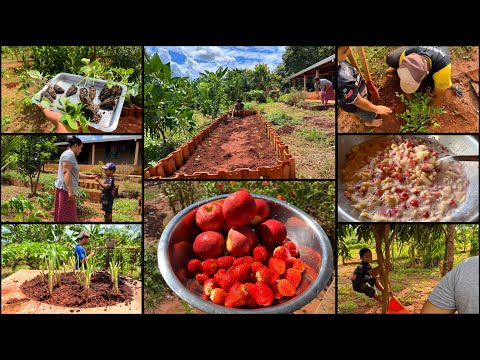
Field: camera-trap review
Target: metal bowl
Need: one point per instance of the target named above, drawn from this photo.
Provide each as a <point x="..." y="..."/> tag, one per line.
<point x="456" y="144"/>
<point x="175" y="250"/>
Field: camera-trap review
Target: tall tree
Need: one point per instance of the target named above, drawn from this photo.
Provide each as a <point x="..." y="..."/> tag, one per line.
<point x="297" y="58"/>
<point x="449" y="250"/>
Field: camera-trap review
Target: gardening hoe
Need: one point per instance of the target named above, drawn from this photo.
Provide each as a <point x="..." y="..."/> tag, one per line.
<point x="353" y="62"/>
<point x="370" y="86"/>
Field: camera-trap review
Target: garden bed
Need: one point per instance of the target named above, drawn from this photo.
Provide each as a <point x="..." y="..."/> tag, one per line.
<point x="24" y="292"/>
<point x="240" y="148"/>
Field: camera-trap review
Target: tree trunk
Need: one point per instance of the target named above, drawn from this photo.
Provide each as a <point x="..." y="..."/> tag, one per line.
<point x="379" y="232"/>
<point x="34" y="192"/>
<point x="449" y="250"/>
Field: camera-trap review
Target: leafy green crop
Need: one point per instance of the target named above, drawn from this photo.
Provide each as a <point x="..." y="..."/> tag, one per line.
<point x="418" y="115"/>
<point x="24" y="210"/>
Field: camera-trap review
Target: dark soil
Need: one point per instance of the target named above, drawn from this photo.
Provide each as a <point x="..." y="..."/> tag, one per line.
<point x="461" y="112"/>
<point x="51" y="91"/>
<point x="72" y="294"/>
<point x="236" y="143"/>
<point x="84" y="96"/>
<point x="92" y="92"/>
<point x="105" y="93"/>
<point x="107" y="104"/>
<point x="58" y="89"/>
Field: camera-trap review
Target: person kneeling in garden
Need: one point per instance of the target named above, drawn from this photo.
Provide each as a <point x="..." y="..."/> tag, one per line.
<point x="80" y="254"/>
<point x="364" y="278"/>
<point x="238" y="108"/>
<point x="108" y="187"/>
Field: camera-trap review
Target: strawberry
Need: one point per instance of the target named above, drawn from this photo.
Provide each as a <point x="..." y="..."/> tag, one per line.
<point x="225" y="262"/>
<point x="298" y="265"/>
<point x="264" y="274"/>
<point x="282" y="253"/>
<point x="278" y="265"/>
<point x="240" y="272"/>
<point x="201" y="278"/>
<point x="294" y="276"/>
<point x="209" y="285"/>
<point x="243" y="259"/>
<point x="285" y="288"/>
<point x="276" y="293"/>
<point x="224" y="279"/>
<point x="260" y="253"/>
<point x="251" y="303"/>
<point x="237" y="296"/>
<point x="210" y="266"/>
<point x="255" y="266"/>
<point x="194" y="266"/>
<point x="218" y="296"/>
<point x="292" y="248"/>
<point x="263" y="295"/>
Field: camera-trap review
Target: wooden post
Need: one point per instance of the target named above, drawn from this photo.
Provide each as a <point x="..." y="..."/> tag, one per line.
<point x="137" y="148"/>
<point x="304" y="82"/>
<point x="293" y="83"/>
<point x="93" y="153"/>
<point x="317" y="73"/>
<point x="449" y="250"/>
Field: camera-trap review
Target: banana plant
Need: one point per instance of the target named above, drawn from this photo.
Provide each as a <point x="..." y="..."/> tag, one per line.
<point x="114" y="271"/>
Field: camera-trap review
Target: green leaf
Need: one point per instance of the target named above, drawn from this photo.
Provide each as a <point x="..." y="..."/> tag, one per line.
<point x="45" y="104"/>
<point x="129" y="71"/>
<point x="85" y="61"/>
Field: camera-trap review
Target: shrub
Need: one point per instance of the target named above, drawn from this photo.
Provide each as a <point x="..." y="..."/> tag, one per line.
<point x="293" y="98"/>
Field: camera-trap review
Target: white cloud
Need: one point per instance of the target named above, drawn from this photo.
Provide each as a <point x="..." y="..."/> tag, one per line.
<point x="201" y="58"/>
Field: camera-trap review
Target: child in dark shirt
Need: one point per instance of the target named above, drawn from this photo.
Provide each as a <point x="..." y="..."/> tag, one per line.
<point x="108" y="188"/>
<point x="364" y="278"/>
<point x="352" y="92"/>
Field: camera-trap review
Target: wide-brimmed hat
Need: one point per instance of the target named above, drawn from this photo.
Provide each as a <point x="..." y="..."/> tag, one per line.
<point x="83" y="234"/>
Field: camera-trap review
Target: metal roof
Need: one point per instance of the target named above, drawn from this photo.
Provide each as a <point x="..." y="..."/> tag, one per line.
<point x="327" y="64"/>
<point x="109" y="139"/>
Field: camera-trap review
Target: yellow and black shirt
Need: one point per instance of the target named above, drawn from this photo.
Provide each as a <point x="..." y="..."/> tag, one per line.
<point x="439" y="63"/>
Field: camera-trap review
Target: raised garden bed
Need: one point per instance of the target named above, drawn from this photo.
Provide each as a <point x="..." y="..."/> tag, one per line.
<point x="239" y="148"/>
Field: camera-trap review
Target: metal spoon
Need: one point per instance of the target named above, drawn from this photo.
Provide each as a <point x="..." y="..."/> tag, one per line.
<point x="459" y="158"/>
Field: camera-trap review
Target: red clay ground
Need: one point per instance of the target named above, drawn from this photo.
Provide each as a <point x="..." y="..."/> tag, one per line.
<point x="72" y="294"/>
<point x="461" y="112"/>
<point x="237" y="143"/>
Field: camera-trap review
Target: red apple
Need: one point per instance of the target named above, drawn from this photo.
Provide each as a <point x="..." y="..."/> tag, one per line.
<point x="239" y="208"/>
<point x="271" y="232"/>
<point x="209" y="217"/>
<point x="263" y="210"/>
<point x="241" y="240"/>
<point x="209" y="244"/>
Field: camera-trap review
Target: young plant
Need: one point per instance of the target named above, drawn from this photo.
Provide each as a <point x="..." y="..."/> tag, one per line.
<point x="23" y="208"/>
<point x="50" y="262"/>
<point x="114" y="271"/>
<point x="418" y="114"/>
<point x="86" y="275"/>
<point x="92" y="69"/>
<point x="73" y="114"/>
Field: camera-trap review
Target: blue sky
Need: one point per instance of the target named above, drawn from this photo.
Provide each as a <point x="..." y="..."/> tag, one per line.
<point x="189" y="61"/>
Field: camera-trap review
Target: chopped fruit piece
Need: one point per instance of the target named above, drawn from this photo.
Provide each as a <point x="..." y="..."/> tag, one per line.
<point x="404" y="196"/>
<point x="414" y="202"/>
<point x="294" y="276"/>
<point x="292" y="248"/>
<point x="285" y="288"/>
<point x="426" y="215"/>
<point x="255" y="266"/>
<point x="298" y="265"/>
<point x="276" y="293"/>
<point x="282" y="253"/>
<point x="278" y="265"/>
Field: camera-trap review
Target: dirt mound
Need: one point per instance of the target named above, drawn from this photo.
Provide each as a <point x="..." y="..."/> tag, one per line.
<point x="461" y="112"/>
<point x="71" y="294"/>
<point x="235" y="144"/>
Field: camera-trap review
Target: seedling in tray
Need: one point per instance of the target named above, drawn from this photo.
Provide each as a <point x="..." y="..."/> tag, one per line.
<point x="73" y="114"/>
